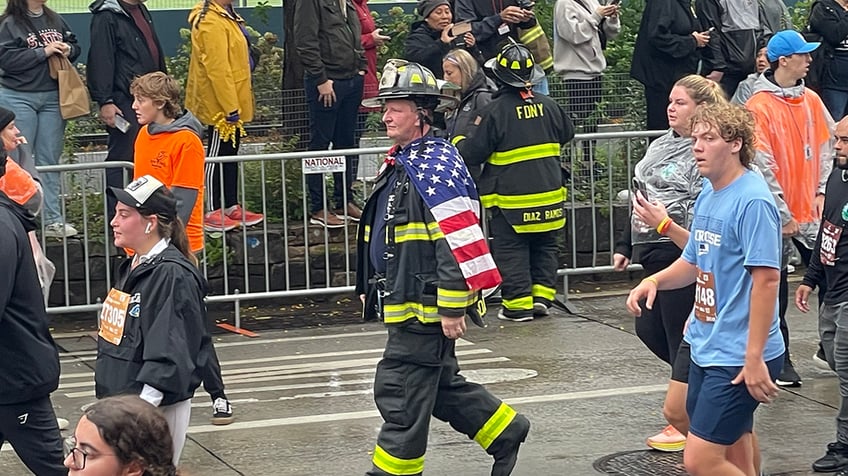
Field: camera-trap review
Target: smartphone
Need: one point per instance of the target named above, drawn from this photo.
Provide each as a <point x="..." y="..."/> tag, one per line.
<point x="460" y="28"/>
<point x="712" y="29"/>
<point x="615" y="2"/>
<point x="641" y="188"/>
<point x="121" y="124"/>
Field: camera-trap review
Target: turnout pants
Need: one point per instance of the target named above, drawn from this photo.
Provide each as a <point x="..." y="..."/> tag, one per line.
<point x="528" y="264"/>
<point x="418" y="377"/>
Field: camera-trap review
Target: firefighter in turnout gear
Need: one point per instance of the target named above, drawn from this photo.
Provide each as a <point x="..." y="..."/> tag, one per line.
<point x="422" y="261"/>
<point x="518" y="137"/>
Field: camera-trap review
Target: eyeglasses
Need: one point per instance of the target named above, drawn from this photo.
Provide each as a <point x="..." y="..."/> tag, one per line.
<point x="78" y="455"/>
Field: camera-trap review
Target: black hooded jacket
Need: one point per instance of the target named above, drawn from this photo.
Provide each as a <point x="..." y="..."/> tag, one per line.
<point x="165" y="335"/>
<point x="118" y="53"/>
<point x="29" y="361"/>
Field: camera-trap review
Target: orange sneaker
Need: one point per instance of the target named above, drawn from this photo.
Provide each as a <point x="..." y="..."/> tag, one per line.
<point x="669" y="440"/>
<point x="217" y="221"/>
<point x="238" y="214"/>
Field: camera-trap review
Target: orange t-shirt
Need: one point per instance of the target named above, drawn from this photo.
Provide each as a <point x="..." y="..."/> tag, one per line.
<point x="793" y="131"/>
<point x="177" y="160"/>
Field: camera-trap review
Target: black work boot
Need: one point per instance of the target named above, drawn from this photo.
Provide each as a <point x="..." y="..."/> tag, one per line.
<point x="507" y="455"/>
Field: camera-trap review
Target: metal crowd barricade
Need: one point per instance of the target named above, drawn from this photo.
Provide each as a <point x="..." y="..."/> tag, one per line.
<point x="89" y="254"/>
<point x="286" y="257"/>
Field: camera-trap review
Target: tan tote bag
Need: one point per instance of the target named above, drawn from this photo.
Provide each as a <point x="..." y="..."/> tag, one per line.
<point x="74" y="100"/>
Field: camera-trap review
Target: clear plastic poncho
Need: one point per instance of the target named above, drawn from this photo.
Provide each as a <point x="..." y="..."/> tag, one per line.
<point x="670" y="176"/>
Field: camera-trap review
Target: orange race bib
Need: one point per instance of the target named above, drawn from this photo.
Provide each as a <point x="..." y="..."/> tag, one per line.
<point x="705" y="297"/>
<point x="113" y="316"/>
<point x="830" y="235"/>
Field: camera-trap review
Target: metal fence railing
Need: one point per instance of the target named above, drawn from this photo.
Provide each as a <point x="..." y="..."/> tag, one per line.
<point x="282" y="115"/>
<point x="286" y="257"/>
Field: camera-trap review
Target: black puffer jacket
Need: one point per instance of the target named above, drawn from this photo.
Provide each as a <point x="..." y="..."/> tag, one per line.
<point x="29" y="361"/>
<point x="425" y="47"/>
<point x="165" y="335"/>
<point x="118" y="53"/>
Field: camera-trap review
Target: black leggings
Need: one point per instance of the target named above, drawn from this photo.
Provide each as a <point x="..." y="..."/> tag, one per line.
<point x="661" y="328"/>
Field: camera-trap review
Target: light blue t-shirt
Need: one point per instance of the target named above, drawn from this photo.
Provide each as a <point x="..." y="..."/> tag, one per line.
<point x="734" y="228"/>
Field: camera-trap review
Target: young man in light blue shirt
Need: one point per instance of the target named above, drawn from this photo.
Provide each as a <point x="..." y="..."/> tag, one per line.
<point x="733" y="256"/>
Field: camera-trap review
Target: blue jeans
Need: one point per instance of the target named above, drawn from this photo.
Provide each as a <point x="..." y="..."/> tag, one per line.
<point x="38" y="117"/>
<point x="337" y="125"/>
<point x="836" y="101"/>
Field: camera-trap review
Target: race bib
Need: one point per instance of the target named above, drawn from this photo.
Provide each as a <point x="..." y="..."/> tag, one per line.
<point x="113" y="316"/>
<point x="830" y="234"/>
<point x="705" y="297"/>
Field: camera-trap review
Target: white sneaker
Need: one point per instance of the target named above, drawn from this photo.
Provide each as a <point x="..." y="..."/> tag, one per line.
<point x="59" y="230"/>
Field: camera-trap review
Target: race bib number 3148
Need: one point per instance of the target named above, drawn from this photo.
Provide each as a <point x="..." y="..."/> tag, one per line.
<point x="705" y="297"/>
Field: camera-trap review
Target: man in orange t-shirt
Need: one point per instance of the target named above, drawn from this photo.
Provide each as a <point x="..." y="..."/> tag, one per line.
<point x="169" y="148"/>
<point x="794" y="136"/>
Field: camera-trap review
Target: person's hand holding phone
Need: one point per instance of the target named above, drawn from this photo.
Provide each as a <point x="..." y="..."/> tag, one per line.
<point x="701" y="38"/>
<point x="607" y="10"/>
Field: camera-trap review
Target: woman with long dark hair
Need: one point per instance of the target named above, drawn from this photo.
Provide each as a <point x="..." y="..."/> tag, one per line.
<point x="121" y="435"/>
<point x="153" y="339"/>
<point x="30" y="33"/>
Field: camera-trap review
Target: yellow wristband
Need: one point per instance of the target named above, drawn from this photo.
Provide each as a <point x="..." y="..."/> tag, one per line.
<point x="652" y="280"/>
<point x="661" y="228"/>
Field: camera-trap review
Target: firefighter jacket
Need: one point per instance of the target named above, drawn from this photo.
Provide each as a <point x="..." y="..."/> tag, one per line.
<point x="518" y="141"/>
<point x="422" y="280"/>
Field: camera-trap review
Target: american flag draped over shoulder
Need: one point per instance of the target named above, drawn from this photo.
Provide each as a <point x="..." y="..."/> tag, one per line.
<point x="439" y="174"/>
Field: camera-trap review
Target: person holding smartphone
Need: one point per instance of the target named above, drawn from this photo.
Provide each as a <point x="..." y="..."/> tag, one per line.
<point x="431" y="38"/>
<point x="581" y="31"/>
<point x="668" y="175"/>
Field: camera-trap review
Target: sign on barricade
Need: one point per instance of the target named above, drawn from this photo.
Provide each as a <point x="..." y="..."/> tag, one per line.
<point x="323" y="165"/>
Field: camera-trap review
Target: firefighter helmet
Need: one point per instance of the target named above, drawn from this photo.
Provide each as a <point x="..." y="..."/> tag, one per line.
<point x="516" y="66"/>
<point x="404" y="80"/>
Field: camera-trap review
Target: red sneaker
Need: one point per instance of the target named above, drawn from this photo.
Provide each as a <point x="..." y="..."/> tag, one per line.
<point x="216" y="220"/>
<point x="239" y="215"/>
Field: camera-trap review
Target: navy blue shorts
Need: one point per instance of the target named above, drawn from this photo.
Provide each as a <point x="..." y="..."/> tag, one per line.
<point x="720" y="412"/>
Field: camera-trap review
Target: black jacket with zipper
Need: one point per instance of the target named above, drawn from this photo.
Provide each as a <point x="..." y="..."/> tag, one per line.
<point x="118" y="53"/>
<point x="328" y="41"/>
<point x="665" y="49"/>
<point x="29" y="361"/>
<point x="166" y="340"/>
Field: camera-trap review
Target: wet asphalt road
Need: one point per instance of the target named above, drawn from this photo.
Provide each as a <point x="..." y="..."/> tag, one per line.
<point x="303" y="401"/>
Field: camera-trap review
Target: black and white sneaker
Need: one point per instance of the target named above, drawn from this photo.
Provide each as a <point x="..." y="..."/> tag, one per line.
<point x="788" y="376"/>
<point x="540" y="309"/>
<point x="222" y="412"/>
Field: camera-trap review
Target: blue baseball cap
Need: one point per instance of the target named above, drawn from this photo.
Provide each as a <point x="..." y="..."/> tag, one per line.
<point x="787" y="43"/>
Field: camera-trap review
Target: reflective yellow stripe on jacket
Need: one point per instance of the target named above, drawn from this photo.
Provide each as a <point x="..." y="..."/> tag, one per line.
<point x="519" y="202"/>
<point x="521" y="154"/>
<point x="398" y="466"/>
<point x="454" y="299"/>
<point x="531" y="35"/>
<point x="418" y="231"/>
<point x="397" y="313"/>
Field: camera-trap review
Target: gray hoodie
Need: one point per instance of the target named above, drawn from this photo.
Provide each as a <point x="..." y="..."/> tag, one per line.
<point x="186" y="121"/>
